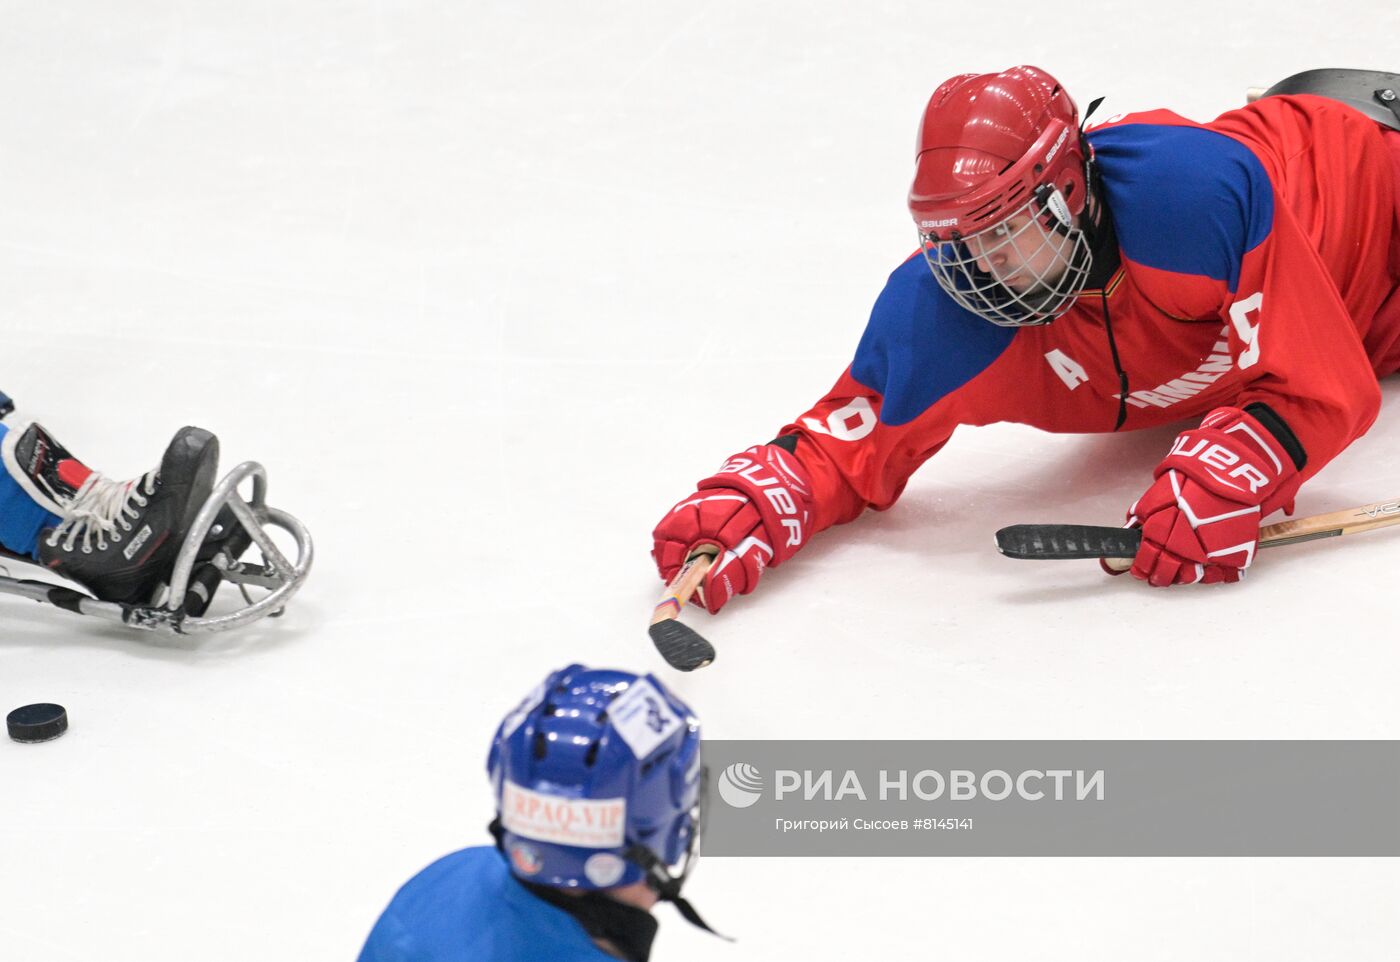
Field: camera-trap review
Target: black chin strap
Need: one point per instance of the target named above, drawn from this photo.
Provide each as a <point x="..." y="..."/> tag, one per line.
<point x="661" y="881"/>
<point x="1105" y="260"/>
<point x="1117" y="365"/>
<point x="1093" y="106"/>
<point x="667" y="886"/>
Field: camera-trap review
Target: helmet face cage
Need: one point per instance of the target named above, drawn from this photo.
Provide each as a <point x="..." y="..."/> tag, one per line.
<point x="1023" y="271"/>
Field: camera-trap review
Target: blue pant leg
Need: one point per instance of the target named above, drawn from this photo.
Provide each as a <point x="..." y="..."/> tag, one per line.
<point x="21" y="518"/>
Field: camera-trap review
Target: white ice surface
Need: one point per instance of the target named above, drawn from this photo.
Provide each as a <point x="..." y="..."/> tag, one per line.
<point x="488" y="286"/>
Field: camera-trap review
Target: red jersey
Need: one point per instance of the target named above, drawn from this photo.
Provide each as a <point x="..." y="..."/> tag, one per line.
<point x="1252" y="259"/>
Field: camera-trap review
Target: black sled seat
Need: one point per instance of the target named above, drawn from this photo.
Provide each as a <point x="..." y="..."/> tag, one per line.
<point x="1372" y="92"/>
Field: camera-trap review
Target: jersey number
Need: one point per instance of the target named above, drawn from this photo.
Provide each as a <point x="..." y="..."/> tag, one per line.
<point x="849" y="423"/>
<point x="1249" y="333"/>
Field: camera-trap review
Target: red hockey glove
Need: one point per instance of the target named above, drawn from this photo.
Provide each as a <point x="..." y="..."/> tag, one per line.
<point x="1200" y="519"/>
<point x="755" y="511"/>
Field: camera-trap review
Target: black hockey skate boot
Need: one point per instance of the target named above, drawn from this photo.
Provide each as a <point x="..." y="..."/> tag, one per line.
<point x="119" y="539"/>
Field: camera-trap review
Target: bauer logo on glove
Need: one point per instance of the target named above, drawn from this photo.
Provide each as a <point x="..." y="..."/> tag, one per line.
<point x="1200" y="519"/>
<point x="754" y="513"/>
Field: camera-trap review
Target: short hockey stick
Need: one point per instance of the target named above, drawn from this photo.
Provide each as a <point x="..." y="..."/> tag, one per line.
<point x="679" y="644"/>
<point x="1042" y="542"/>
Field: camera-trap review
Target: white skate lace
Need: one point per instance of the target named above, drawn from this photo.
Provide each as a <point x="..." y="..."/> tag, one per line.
<point x="101" y="510"/>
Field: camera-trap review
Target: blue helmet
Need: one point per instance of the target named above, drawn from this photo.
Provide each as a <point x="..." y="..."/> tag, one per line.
<point x="597" y="780"/>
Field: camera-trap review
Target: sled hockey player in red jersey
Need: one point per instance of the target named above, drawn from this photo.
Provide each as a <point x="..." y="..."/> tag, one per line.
<point x="1242" y="272"/>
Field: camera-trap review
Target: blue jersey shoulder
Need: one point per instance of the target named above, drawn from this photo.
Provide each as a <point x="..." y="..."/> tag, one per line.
<point x="921" y="345"/>
<point x="466" y="907"/>
<point x="1184" y="199"/>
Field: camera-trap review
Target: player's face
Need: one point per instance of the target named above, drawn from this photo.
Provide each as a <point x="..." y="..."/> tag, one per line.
<point x="1020" y="254"/>
<point x="1026" y="270"/>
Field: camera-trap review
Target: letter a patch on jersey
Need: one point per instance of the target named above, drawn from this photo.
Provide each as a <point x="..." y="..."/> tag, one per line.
<point x="1069" y="370"/>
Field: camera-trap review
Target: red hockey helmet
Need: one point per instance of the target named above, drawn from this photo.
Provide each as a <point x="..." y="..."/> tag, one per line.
<point x="1000" y="179"/>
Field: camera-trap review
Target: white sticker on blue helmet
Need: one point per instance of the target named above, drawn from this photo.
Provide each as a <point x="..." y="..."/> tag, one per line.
<point x="517" y="716"/>
<point x="643" y="718"/>
<point x="604" y="869"/>
<point x="581" y="822"/>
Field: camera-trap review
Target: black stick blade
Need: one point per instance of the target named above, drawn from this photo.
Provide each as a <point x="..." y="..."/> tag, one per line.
<point x="1045" y="542"/>
<point x="681" y="645"/>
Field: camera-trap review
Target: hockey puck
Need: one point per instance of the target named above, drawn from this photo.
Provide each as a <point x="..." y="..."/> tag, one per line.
<point x="37" y="723"/>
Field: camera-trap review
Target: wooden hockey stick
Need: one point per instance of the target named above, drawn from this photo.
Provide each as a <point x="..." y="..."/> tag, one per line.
<point x="679" y="644"/>
<point x="1117" y="546"/>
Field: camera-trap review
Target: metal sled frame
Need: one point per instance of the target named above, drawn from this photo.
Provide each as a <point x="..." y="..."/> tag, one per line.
<point x="194" y="579"/>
